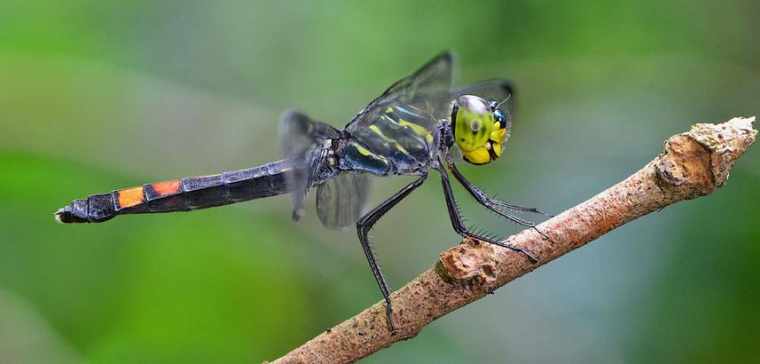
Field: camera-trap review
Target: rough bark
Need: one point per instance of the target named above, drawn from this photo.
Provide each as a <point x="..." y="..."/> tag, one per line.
<point x="693" y="164"/>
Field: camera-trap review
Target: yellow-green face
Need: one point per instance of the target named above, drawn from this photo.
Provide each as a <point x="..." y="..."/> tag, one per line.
<point x="480" y="130"/>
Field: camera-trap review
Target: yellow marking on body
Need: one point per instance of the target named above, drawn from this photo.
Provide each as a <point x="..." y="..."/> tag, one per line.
<point x="417" y="129"/>
<point x="362" y="150"/>
<point x="497" y="149"/>
<point x="131" y="197"/>
<point x="478" y="156"/>
<point x="166" y="188"/>
<point x="379" y="133"/>
<point x="498" y="135"/>
<point x="366" y="152"/>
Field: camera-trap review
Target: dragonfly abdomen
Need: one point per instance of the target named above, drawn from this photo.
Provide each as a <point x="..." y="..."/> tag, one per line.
<point x="185" y="194"/>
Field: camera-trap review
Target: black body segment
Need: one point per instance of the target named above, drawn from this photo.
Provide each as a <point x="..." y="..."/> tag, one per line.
<point x="190" y="193"/>
<point x="96" y="208"/>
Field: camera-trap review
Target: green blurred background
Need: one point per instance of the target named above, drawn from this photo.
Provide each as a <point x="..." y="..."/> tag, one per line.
<point x="96" y="95"/>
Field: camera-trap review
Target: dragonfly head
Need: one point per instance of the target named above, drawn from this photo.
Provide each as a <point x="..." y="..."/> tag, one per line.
<point x="480" y="128"/>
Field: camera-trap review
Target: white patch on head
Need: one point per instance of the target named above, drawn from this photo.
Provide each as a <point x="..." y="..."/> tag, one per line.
<point x="473" y="103"/>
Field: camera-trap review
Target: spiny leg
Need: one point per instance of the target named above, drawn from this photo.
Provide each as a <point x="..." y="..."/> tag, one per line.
<point x="459" y="226"/>
<point x="364" y="225"/>
<point x="483" y="197"/>
<point x="496" y="205"/>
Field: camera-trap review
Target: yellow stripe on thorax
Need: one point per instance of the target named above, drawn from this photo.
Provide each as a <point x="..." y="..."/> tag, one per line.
<point x="375" y="129"/>
<point x="417" y="129"/>
<point x="364" y="151"/>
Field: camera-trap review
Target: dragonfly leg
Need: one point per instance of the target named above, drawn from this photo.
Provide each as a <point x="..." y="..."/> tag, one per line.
<point x="364" y="225"/>
<point x="488" y="201"/>
<point x="458" y="224"/>
<point x="495" y="205"/>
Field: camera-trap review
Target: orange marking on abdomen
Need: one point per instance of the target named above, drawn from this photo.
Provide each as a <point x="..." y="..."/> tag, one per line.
<point x="166" y="188"/>
<point x="131" y="197"/>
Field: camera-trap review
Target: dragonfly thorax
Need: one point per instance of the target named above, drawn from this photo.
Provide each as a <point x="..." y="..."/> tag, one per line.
<point x="479" y="128"/>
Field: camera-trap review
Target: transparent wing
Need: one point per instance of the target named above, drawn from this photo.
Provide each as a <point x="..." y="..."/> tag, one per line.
<point x="426" y="89"/>
<point x="300" y="140"/>
<point x="298" y="132"/>
<point x="341" y="200"/>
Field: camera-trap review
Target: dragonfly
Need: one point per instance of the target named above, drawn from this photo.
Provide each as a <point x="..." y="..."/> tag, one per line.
<point x="421" y="123"/>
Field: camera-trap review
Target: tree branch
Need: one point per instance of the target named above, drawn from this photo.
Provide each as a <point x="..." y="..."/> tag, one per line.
<point x="693" y="164"/>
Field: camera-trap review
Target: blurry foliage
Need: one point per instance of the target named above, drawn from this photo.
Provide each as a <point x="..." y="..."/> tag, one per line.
<point x="98" y="95"/>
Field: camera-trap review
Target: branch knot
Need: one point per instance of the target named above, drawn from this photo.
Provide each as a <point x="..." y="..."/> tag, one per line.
<point x="696" y="162"/>
<point x="472" y="263"/>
